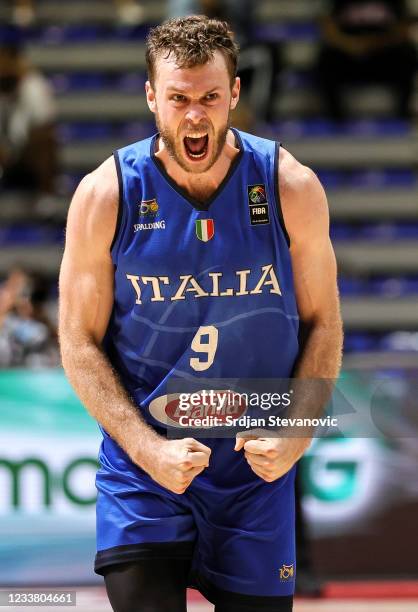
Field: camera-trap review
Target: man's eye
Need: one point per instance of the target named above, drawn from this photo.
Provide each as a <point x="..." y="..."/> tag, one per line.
<point x="178" y="98"/>
<point x="212" y="96"/>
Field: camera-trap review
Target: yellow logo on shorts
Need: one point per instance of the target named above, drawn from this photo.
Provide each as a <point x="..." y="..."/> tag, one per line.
<point x="286" y="572"/>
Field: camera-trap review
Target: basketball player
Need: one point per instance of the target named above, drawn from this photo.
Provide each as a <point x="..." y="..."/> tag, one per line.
<point x="195" y="253"/>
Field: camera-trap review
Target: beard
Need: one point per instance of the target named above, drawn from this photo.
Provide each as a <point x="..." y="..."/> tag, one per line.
<point x="176" y="148"/>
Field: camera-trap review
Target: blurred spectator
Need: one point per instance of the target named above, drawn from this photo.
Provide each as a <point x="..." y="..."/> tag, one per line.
<point x="23" y="13"/>
<point x="366" y="42"/>
<point x="28" y="338"/>
<point x="129" y="12"/>
<point x="28" y="152"/>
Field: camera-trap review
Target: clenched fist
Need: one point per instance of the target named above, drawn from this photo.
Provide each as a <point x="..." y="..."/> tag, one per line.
<point x="174" y="463"/>
<point x="269" y="457"/>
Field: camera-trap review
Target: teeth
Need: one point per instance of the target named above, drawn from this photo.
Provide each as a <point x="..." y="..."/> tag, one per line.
<point x="196" y="156"/>
<point x="196" y="135"/>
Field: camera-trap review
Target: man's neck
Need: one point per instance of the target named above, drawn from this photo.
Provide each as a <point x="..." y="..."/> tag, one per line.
<point x="200" y="186"/>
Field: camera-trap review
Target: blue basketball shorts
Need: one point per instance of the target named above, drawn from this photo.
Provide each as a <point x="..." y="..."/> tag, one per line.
<point x="237" y="530"/>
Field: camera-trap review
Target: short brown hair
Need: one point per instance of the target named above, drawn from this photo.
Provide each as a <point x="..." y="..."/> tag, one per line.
<point x="192" y="40"/>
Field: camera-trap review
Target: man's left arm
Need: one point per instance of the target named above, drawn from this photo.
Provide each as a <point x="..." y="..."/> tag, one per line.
<point x="306" y="217"/>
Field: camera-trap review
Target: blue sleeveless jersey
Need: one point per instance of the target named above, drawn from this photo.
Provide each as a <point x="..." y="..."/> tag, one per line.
<point x="200" y="290"/>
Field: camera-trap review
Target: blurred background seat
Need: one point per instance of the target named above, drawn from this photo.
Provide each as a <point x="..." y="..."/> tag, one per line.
<point x="367" y="162"/>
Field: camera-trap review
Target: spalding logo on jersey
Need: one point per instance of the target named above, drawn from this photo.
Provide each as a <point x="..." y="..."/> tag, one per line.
<point x="148" y="209"/>
<point x="164" y="288"/>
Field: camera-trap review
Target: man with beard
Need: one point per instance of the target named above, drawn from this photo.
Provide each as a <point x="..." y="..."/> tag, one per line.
<point x="192" y="255"/>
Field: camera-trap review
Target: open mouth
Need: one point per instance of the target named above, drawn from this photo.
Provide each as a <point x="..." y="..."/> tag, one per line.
<point x="196" y="146"/>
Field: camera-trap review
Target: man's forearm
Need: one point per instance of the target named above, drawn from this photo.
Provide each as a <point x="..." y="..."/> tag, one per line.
<point x="99" y="389"/>
<point x="320" y="351"/>
<point x="316" y="370"/>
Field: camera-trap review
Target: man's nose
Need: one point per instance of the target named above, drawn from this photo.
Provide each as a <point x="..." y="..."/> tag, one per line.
<point x="195" y="114"/>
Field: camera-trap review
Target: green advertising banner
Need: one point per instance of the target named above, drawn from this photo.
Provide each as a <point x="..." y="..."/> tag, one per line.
<point x="360" y="491"/>
<point x="48" y="460"/>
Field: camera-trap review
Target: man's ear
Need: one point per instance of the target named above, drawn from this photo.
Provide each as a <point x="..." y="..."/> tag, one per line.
<point x="150" y="93"/>
<point x="235" y="93"/>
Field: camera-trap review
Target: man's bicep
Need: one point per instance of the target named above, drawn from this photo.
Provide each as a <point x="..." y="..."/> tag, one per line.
<point x="315" y="281"/>
<point x="86" y="297"/>
<point x="86" y="276"/>
<point x="306" y="214"/>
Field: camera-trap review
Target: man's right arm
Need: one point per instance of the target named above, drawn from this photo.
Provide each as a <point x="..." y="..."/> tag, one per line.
<point x="86" y="301"/>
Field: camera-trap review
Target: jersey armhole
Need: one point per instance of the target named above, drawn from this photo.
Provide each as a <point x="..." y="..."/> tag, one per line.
<point x="120" y="203"/>
<point x="277" y="192"/>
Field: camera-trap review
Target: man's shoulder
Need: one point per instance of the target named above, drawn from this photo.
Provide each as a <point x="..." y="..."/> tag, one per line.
<point x="93" y="213"/>
<point x="294" y="177"/>
<point x="97" y="195"/>
<point x="301" y="194"/>
<point x="102" y="182"/>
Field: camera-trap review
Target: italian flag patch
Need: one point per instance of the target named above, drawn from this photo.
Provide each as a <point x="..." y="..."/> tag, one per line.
<point x="205" y="229"/>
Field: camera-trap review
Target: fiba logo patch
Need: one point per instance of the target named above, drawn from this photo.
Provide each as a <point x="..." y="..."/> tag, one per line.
<point x="148" y="208"/>
<point x="286" y="572"/>
<point x="257" y="194"/>
<point x="258" y="205"/>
